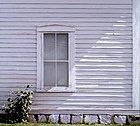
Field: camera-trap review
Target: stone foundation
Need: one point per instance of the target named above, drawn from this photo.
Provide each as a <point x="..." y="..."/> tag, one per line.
<point x="78" y="119"/>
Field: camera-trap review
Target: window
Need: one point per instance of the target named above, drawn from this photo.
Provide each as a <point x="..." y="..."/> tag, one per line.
<point x="55" y="58"/>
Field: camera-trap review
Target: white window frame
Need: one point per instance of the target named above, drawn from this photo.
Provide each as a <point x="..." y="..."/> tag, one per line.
<point x="55" y="28"/>
<point x="136" y="55"/>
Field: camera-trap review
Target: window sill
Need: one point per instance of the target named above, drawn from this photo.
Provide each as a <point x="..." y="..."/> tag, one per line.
<point x="57" y="90"/>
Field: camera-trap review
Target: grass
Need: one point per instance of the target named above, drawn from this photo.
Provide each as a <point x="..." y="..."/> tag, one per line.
<point x="43" y="124"/>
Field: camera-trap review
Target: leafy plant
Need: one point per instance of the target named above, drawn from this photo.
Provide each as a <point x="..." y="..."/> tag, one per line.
<point x="19" y="105"/>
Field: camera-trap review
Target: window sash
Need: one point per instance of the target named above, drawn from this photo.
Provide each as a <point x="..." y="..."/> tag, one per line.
<point x="63" y="61"/>
<point x="57" y="61"/>
<point x="55" y="78"/>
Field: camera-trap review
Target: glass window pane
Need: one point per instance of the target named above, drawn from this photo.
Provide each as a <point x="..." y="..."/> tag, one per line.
<point x="49" y="46"/>
<point x="62" y="46"/>
<point x="49" y="74"/>
<point x="62" y="74"/>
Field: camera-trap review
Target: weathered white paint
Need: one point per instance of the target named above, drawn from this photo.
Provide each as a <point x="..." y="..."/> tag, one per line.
<point x="136" y="54"/>
<point x="103" y="58"/>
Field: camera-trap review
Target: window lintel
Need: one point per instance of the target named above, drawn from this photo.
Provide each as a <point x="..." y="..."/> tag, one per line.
<point x="55" y="27"/>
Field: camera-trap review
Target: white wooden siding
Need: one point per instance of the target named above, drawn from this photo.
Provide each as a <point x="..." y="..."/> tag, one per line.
<point x="103" y="50"/>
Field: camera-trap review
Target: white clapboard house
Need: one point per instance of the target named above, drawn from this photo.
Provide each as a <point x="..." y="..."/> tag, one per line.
<point x="80" y="56"/>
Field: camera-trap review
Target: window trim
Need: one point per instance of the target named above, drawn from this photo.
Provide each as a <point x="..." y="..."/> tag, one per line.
<point x="54" y="28"/>
<point x="136" y="55"/>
